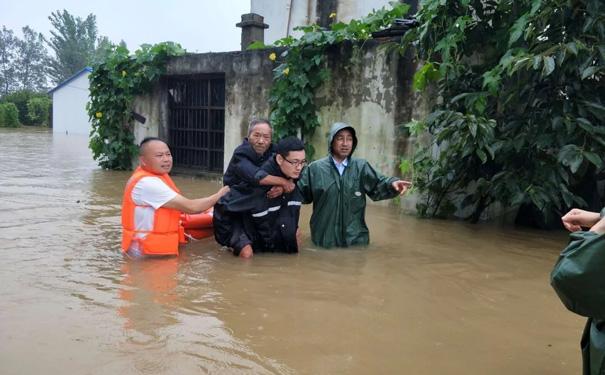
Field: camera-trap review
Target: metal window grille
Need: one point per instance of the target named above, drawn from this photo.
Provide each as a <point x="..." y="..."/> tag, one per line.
<point x="197" y="123"/>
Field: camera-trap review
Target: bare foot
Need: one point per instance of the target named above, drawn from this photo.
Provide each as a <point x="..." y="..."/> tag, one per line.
<point x="246" y="252"/>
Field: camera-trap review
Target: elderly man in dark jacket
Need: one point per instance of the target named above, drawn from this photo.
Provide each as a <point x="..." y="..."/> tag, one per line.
<point x="242" y="169"/>
<point x="337" y="186"/>
<point x="248" y="220"/>
<point x="251" y="154"/>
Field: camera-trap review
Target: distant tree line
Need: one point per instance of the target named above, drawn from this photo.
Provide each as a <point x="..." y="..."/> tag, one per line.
<point x="27" y="70"/>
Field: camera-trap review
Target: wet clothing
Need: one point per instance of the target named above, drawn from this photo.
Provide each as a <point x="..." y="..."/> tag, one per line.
<point x="339" y="201"/>
<point x="160" y="235"/>
<point x="246" y="216"/>
<point x="245" y="163"/>
<point x="579" y="280"/>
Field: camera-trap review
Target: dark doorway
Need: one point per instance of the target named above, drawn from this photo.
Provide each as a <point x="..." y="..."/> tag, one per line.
<point x="196" y="128"/>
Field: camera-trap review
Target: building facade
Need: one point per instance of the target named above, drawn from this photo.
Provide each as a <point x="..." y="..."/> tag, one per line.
<point x="69" y="105"/>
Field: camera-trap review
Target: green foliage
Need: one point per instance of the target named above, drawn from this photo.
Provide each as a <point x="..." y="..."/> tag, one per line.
<point x="9" y="115"/>
<point x="115" y="80"/>
<point x="73" y="42"/>
<point x="20" y="99"/>
<point x="38" y="111"/>
<point x="521" y="102"/>
<point x="31" y="61"/>
<point x="300" y="71"/>
<point x="22" y="61"/>
<point x="8" y="51"/>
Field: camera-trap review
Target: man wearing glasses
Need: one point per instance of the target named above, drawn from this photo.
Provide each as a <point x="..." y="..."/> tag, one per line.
<point x="249" y="220"/>
<point x="337" y="186"/>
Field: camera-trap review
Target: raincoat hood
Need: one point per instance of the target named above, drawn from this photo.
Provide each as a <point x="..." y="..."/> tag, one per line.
<point x="338" y="126"/>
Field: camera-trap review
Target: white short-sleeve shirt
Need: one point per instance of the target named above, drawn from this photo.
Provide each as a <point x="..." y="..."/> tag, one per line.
<point x="152" y="193"/>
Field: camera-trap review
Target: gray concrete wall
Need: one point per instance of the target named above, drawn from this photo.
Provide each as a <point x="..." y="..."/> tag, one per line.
<point x="373" y="93"/>
<point x="248" y="80"/>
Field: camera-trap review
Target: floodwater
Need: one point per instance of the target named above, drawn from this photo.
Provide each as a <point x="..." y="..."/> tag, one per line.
<point x="426" y="297"/>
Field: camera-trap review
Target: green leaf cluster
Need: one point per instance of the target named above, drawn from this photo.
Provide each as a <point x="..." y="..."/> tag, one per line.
<point x="21" y="99"/>
<point x="38" y="110"/>
<point x="519" y="102"/>
<point x="9" y="115"/>
<point x="116" y="78"/>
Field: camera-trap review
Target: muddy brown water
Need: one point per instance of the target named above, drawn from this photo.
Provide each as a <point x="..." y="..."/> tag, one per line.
<point x="426" y="297"/>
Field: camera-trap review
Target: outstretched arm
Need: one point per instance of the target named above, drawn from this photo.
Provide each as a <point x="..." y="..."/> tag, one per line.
<point x="195" y="206"/>
<point x="378" y="186"/>
<point x="401" y="186"/>
<point x="575" y="219"/>
<point x="599" y="227"/>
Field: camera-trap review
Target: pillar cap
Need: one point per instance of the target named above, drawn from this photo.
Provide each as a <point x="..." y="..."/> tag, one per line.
<point x="252" y="19"/>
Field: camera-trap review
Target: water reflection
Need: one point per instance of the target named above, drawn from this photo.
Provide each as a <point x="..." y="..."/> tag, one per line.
<point x="148" y="290"/>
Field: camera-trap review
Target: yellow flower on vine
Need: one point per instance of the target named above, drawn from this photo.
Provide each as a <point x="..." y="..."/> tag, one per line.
<point x="99" y="114"/>
<point x="287" y="71"/>
<point x="123" y="73"/>
<point x="332" y="15"/>
<point x="137" y="74"/>
<point x="272" y="57"/>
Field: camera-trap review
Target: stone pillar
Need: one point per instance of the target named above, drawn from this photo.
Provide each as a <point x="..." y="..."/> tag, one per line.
<point x="253" y="29"/>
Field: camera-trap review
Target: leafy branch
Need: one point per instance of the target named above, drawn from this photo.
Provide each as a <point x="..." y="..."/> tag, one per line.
<point x="116" y="78"/>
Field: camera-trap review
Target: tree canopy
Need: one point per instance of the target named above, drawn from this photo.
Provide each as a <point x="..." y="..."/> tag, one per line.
<point x="74" y="42"/>
<point x="519" y="105"/>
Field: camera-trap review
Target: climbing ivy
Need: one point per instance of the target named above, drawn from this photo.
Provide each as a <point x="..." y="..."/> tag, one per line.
<point x="301" y="68"/>
<point x="518" y="107"/>
<point x="115" y="79"/>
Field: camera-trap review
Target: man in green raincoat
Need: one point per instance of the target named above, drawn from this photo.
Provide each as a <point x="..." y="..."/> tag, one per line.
<point x="337" y="186"/>
<point x="579" y="280"/>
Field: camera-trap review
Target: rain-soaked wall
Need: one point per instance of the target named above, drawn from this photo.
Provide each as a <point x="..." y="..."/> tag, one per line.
<point x="373" y="92"/>
<point x="248" y="79"/>
<point x="367" y="89"/>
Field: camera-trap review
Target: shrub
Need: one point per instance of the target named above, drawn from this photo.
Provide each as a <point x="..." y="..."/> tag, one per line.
<point x="38" y="111"/>
<point x="9" y="115"/>
<point x="20" y="99"/>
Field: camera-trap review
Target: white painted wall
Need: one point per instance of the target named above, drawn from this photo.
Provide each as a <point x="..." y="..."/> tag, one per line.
<point x="69" y="107"/>
<point x="302" y="12"/>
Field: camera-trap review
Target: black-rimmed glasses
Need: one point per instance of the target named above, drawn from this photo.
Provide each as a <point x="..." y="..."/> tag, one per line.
<point x="301" y="163"/>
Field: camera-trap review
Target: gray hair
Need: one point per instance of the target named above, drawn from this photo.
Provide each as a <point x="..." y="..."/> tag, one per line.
<point x="256" y="121"/>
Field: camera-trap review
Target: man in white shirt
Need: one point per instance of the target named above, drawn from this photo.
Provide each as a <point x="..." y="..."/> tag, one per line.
<point x="153" y="204"/>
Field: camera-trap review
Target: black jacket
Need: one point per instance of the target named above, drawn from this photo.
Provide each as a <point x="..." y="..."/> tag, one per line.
<point x="245" y="163"/>
<point x="246" y="215"/>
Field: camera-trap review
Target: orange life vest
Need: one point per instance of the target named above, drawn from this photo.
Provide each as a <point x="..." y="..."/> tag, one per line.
<point x="166" y="234"/>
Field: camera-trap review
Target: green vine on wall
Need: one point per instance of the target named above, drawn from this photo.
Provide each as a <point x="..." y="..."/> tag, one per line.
<point x="115" y="80"/>
<point x="301" y="68"/>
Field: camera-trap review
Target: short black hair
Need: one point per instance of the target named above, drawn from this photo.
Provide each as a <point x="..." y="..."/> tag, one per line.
<point x="256" y="121"/>
<point x="285" y="145"/>
<point x="147" y="140"/>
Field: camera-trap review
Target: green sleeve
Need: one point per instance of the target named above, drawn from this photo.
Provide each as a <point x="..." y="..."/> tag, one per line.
<point x="376" y="185"/>
<point x="304" y="185"/>
<point x="579" y="275"/>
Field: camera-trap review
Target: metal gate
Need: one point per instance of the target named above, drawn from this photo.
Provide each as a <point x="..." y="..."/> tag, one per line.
<point x="196" y="130"/>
